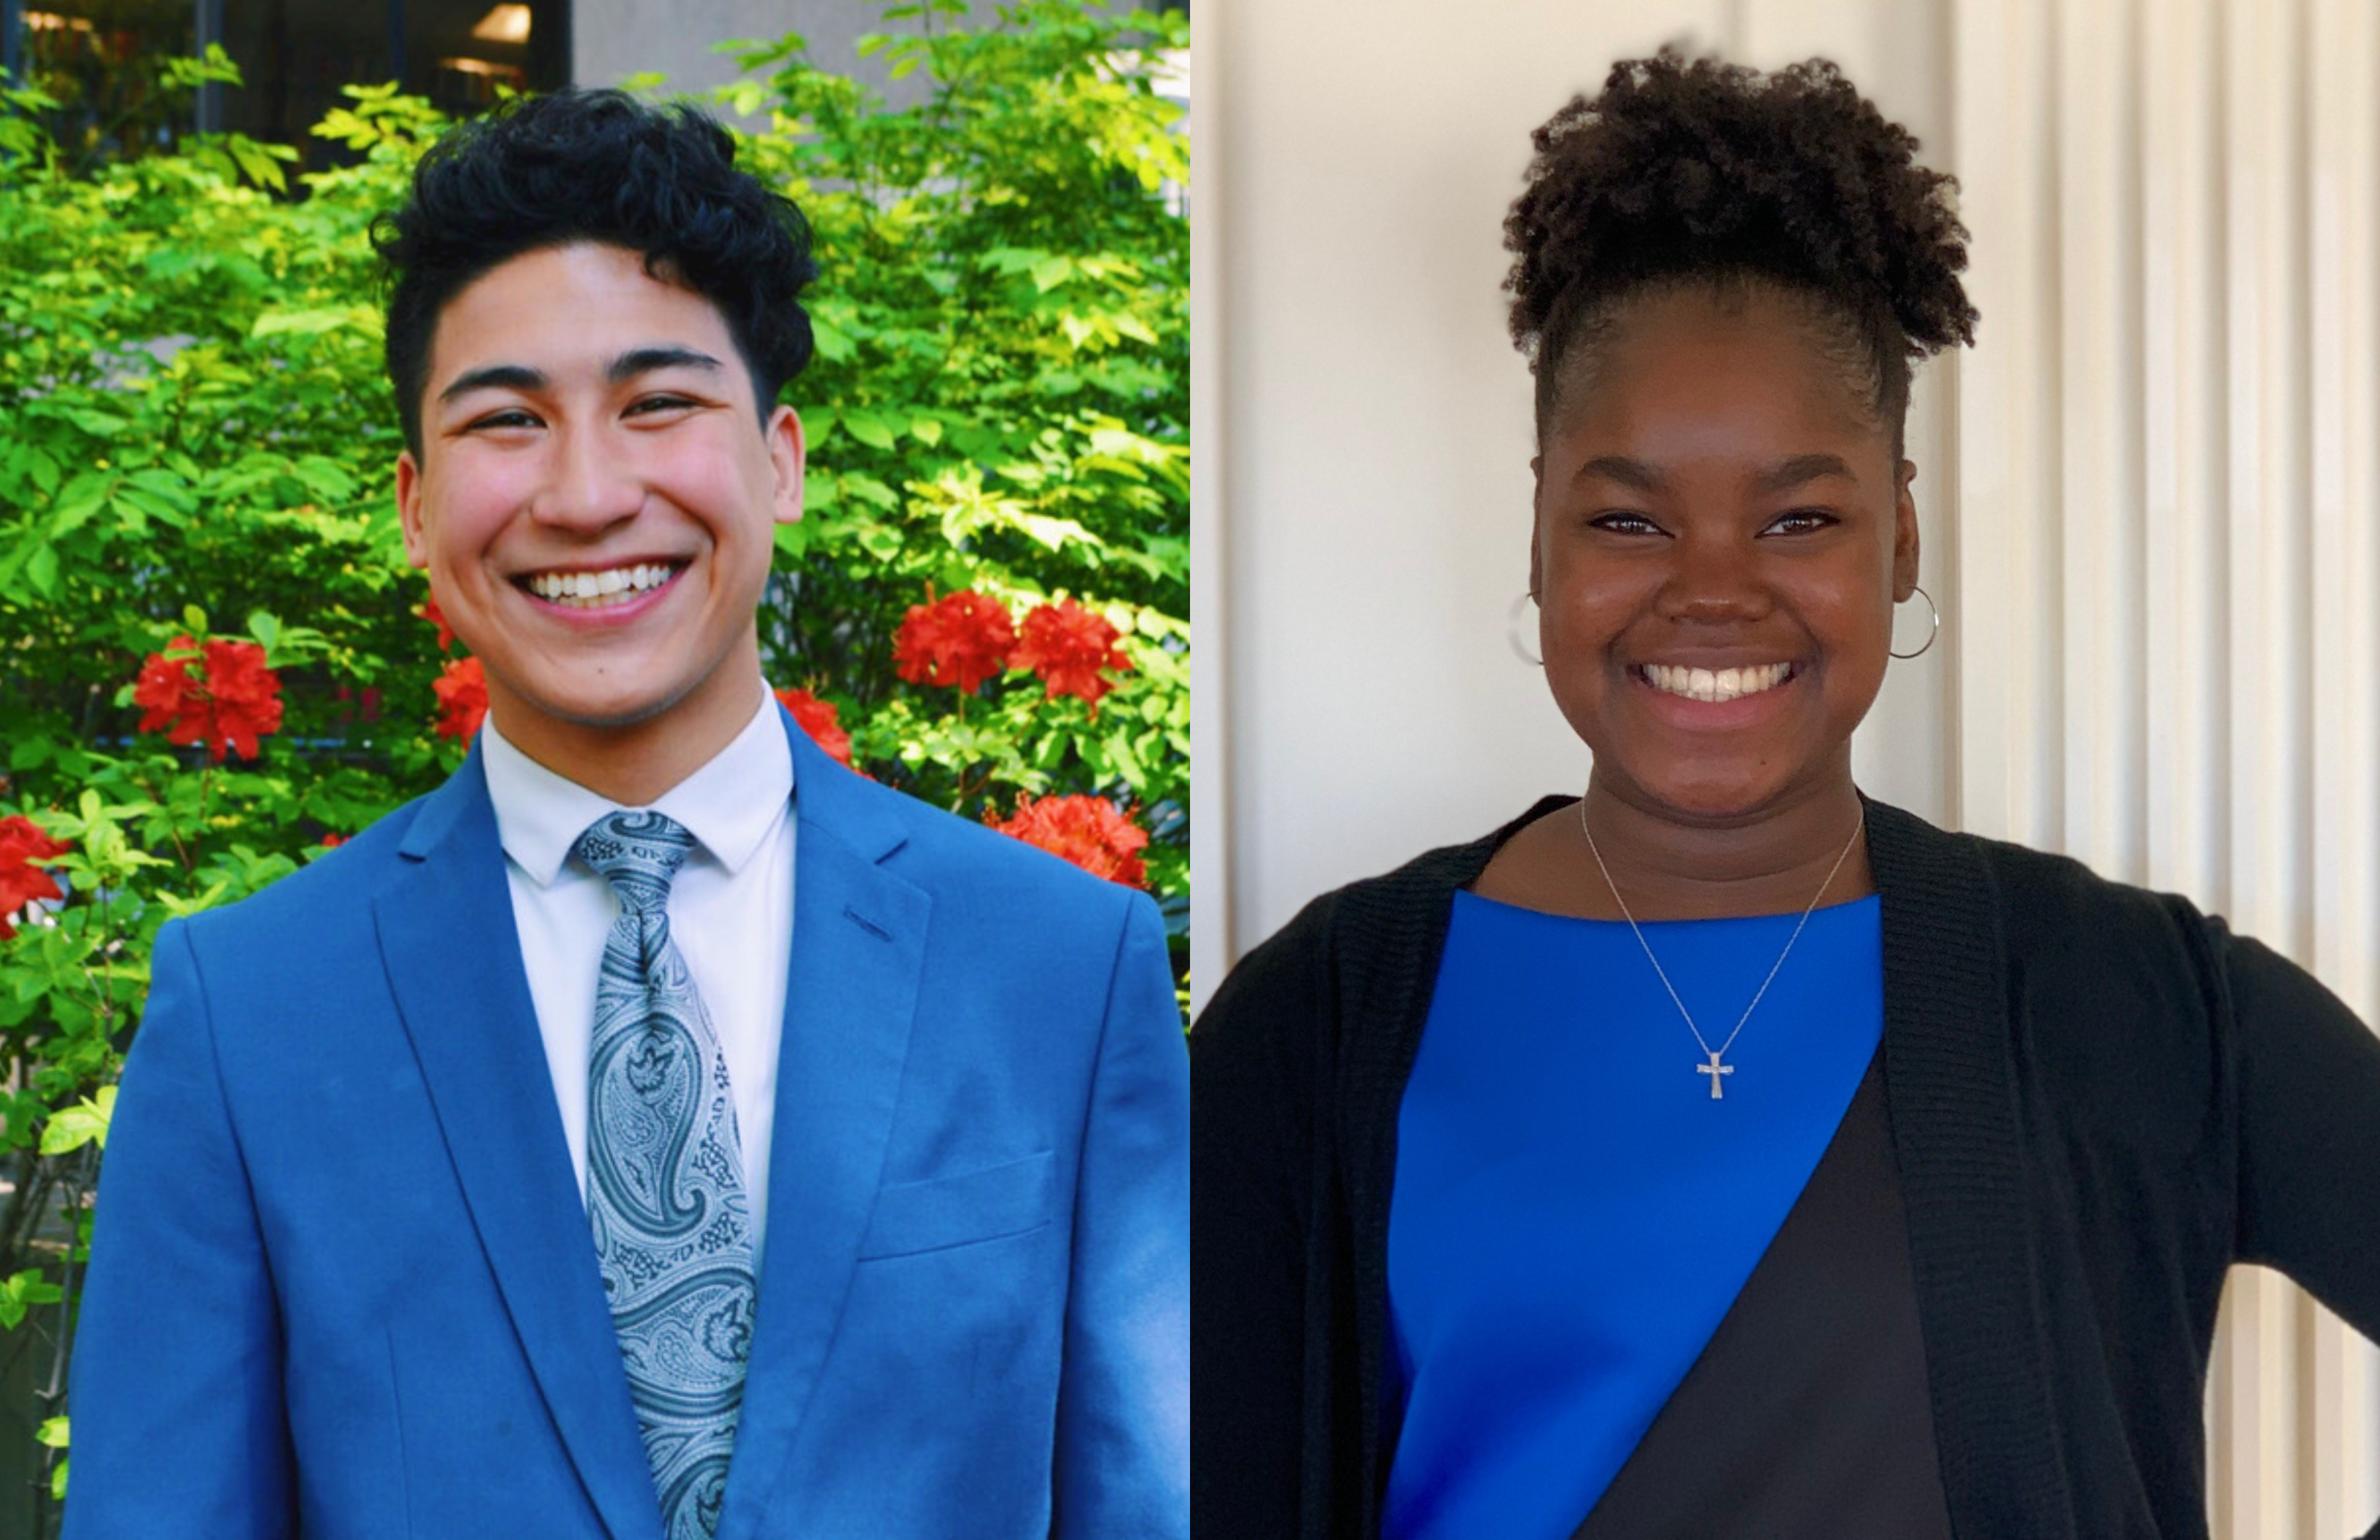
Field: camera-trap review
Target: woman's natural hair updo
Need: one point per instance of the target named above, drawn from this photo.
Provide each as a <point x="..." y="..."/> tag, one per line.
<point x="1693" y="172"/>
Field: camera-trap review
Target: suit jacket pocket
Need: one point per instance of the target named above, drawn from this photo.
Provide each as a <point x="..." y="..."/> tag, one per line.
<point x="946" y="1211"/>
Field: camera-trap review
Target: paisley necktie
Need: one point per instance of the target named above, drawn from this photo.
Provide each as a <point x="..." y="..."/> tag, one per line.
<point x="666" y="1180"/>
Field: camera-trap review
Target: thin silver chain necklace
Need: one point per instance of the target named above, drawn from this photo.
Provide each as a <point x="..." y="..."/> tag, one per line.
<point x="1716" y="1068"/>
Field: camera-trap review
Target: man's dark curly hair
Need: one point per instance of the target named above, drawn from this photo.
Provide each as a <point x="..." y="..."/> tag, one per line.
<point x="597" y="166"/>
<point x="1692" y="171"/>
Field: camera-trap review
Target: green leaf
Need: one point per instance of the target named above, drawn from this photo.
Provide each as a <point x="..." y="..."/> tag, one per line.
<point x="309" y="323"/>
<point x="88" y="492"/>
<point x="834" y="344"/>
<point x="868" y="428"/>
<point x="23" y="1292"/>
<point x="51" y="1433"/>
<point x="880" y="542"/>
<point x="70" y="1128"/>
<point x="1128" y="762"/>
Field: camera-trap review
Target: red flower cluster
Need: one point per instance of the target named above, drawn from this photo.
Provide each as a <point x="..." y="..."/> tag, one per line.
<point x="462" y="699"/>
<point x="22" y="847"/>
<point x="961" y="640"/>
<point x="233" y="700"/>
<point x="1087" y="831"/>
<point x="818" y="719"/>
<point x="1067" y="646"/>
<point x="965" y="639"/>
<point x="437" y="617"/>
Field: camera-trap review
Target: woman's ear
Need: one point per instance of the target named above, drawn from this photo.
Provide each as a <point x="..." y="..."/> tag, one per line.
<point x="1905" y="536"/>
<point x="1537" y="554"/>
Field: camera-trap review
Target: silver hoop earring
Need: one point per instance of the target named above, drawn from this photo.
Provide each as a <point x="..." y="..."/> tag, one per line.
<point x="1930" y="635"/>
<point x="1512" y="632"/>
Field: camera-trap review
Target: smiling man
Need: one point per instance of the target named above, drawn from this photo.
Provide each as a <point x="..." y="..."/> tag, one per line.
<point x="657" y="1129"/>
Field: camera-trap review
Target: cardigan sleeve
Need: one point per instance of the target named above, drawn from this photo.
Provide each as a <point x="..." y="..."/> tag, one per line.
<point x="2309" y="1111"/>
<point x="1251" y="1161"/>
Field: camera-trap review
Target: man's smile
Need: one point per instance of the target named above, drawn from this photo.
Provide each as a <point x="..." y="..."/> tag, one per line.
<point x="598" y="587"/>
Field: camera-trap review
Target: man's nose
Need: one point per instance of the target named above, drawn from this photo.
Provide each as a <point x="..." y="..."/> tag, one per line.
<point x="593" y="483"/>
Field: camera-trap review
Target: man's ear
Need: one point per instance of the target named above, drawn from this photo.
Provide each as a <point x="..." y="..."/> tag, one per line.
<point x="1905" y="536"/>
<point x="788" y="456"/>
<point x="408" y="511"/>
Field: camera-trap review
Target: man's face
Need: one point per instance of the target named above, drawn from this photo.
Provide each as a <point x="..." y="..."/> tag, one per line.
<point x="594" y="498"/>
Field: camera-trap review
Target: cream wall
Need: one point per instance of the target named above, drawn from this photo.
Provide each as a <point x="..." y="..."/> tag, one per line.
<point x="1364" y="429"/>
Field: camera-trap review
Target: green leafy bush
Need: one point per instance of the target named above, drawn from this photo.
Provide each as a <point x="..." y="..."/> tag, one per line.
<point x="196" y="445"/>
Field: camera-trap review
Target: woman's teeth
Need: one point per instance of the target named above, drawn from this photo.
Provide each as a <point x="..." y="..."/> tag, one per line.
<point x="587" y="591"/>
<point x="1719" y="685"/>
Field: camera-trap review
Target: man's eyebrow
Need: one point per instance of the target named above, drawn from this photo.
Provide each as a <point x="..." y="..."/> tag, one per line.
<point x="1634" y="474"/>
<point x="644" y="360"/>
<point x="495" y="377"/>
<point x="1786" y="475"/>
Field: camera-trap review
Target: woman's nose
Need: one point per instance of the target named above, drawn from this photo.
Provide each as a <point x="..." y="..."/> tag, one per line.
<point x="1713" y="579"/>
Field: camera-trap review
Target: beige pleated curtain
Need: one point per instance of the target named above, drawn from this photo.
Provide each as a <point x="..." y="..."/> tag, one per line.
<point x="2166" y="612"/>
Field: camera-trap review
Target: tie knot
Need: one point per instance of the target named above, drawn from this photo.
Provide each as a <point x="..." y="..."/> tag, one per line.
<point x="639" y="853"/>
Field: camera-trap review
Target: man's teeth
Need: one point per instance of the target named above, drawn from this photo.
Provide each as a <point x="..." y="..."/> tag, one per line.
<point x="1720" y="685"/>
<point x="587" y="589"/>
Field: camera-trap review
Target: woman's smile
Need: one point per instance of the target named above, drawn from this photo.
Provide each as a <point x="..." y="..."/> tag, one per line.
<point x="1720" y="683"/>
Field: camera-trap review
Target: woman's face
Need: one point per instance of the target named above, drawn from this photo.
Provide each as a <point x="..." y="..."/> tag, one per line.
<point x="1721" y="532"/>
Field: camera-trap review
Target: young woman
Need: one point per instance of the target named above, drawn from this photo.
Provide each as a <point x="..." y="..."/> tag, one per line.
<point x="1724" y="1154"/>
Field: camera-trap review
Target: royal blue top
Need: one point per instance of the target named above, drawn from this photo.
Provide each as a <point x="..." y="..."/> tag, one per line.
<point x="1572" y="1212"/>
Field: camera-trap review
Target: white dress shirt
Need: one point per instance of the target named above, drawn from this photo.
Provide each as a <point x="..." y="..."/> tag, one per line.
<point x="731" y="911"/>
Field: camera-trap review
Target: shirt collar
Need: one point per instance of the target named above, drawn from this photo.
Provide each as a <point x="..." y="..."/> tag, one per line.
<point x="729" y="805"/>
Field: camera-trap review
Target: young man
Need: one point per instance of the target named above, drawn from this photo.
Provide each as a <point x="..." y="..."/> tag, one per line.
<point x="657" y="1131"/>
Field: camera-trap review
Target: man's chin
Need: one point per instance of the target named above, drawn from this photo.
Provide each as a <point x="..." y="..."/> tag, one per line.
<point x="616" y="712"/>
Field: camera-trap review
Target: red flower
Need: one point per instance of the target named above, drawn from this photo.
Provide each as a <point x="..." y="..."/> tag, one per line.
<point x="232" y="701"/>
<point x="961" y="640"/>
<point x="817" y="718"/>
<point x="22" y="844"/>
<point x="333" y="840"/>
<point x="1087" y="830"/>
<point x="437" y="617"/>
<point x="1068" y="646"/>
<point x="462" y="699"/>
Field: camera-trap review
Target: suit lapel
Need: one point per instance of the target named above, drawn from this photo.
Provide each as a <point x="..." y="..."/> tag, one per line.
<point x="453" y="963"/>
<point x="851" y="991"/>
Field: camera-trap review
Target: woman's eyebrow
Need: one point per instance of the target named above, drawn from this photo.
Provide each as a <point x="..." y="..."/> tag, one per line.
<point x="1786" y="475"/>
<point x="1635" y="474"/>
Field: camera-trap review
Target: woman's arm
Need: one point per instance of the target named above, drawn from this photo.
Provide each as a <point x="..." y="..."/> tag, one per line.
<point x="2309" y="1089"/>
<point x="1252" y="1165"/>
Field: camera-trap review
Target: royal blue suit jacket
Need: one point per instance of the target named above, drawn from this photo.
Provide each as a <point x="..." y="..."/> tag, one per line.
<point x="342" y="1283"/>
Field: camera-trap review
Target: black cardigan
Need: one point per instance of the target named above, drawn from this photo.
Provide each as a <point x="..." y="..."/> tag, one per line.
<point x="2100" y="1100"/>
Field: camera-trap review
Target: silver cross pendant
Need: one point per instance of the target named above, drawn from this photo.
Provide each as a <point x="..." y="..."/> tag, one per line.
<point x="1714" y="1069"/>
